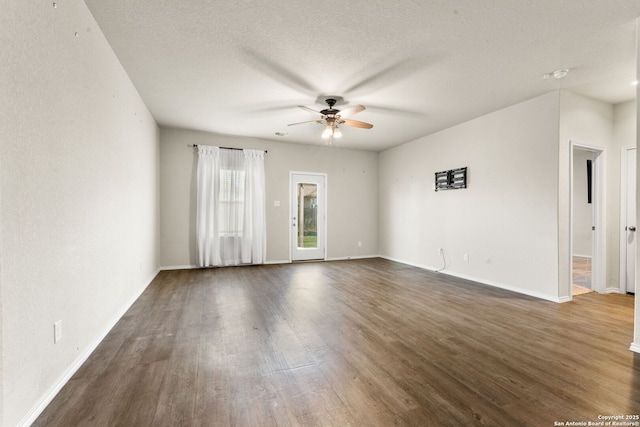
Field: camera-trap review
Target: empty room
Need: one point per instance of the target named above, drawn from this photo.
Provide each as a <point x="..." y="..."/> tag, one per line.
<point x="295" y="213"/>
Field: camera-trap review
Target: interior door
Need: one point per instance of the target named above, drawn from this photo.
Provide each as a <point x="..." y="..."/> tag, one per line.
<point x="308" y="218"/>
<point x="630" y="223"/>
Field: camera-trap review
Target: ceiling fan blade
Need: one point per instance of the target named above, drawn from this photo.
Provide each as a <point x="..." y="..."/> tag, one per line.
<point x="356" y="124"/>
<point x="309" y="109"/>
<point x="308" y="121"/>
<point x="351" y="111"/>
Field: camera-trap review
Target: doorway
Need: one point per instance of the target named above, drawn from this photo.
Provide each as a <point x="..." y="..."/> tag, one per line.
<point x="308" y="216"/>
<point x="628" y="222"/>
<point x="583" y="224"/>
<point x="587" y="226"/>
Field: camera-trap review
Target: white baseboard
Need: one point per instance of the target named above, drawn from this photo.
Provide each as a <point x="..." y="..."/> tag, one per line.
<point x="635" y="347"/>
<point x="528" y="292"/>
<point x="272" y="262"/>
<point x="340" y="258"/>
<point x="285" y="261"/>
<point x="346" y="258"/>
<point x="50" y="394"/>
<point x="193" y="266"/>
<point x="177" y="267"/>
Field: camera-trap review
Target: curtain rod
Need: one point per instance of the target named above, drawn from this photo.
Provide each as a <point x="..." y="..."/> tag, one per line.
<point x="224" y="148"/>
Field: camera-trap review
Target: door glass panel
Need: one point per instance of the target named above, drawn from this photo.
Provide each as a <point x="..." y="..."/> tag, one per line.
<point x="307" y="215"/>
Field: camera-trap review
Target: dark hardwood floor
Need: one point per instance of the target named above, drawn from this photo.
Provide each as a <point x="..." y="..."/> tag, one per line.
<point x="362" y="343"/>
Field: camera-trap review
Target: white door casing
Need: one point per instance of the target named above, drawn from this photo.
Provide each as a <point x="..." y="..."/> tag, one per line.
<point x="599" y="239"/>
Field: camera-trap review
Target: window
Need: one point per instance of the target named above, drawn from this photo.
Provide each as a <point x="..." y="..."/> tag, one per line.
<point x="230" y="214"/>
<point x="231" y="202"/>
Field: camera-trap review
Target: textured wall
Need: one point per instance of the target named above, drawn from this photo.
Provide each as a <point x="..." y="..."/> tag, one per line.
<point x="79" y="206"/>
<point x="636" y="332"/>
<point x="352" y="191"/>
<point x="624" y="136"/>
<point x="505" y="221"/>
<point x="587" y="121"/>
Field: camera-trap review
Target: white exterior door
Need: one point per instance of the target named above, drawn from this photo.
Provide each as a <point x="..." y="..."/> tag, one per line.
<point x="630" y="221"/>
<point x="308" y="216"/>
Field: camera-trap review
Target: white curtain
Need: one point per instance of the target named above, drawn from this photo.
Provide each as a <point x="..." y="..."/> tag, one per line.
<point x="230" y="219"/>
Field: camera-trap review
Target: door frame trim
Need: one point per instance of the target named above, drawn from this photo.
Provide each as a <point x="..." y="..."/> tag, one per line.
<point x="324" y="212"/>
<point x="624" y="153"/>
<point x="598" y="268"/>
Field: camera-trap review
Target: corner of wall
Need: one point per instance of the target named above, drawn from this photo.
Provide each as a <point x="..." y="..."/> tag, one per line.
<point x="1" y="330"/>
<point x="519" y="142"/>
<point x="636" y="323"/>
<point x="79" y="175"/>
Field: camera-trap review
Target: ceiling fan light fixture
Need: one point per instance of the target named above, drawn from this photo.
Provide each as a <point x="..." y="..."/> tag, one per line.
<point x="327" y="132"/>
<point x="331" y="118"/>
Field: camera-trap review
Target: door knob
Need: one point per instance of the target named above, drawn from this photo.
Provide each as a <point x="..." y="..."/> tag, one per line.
<point x="632" y="228"/>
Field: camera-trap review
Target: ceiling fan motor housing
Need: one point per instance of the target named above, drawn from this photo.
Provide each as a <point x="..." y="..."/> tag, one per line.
<point x="330" y="111"/>
<point x="332" y="117"/>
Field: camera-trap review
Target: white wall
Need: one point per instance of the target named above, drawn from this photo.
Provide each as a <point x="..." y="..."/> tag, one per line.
<point x="624" y="124"/>
<point x="635" y="346"/>
<point x="506" y="220"/>
<point x="624" y="135"/>
<point x="589" y="122"/>
<point x="79" y="219"/>
<point x="351" y="190"/>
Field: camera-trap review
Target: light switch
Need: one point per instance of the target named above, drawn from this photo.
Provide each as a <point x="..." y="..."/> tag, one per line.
<point x="57" y="331"/>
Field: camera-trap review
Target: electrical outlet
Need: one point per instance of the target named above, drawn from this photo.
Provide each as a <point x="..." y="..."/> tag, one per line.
<point x="466" y="257"/>
<point x="359" y="244"/>
<point x="440" y="251"/>
<point x="57" y="331"/>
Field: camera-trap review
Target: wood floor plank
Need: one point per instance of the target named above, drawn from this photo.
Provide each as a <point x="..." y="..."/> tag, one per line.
<point x="351" y="343"/>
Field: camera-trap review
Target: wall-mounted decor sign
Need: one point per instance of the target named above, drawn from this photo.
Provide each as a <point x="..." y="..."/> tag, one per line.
<point x="451" y="180"/>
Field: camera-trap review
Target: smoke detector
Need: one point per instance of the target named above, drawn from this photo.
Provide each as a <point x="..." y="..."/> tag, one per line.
<point x="557" y="74"/>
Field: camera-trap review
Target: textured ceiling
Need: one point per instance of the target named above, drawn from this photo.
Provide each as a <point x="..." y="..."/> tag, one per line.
<point x="242" y="67"/>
